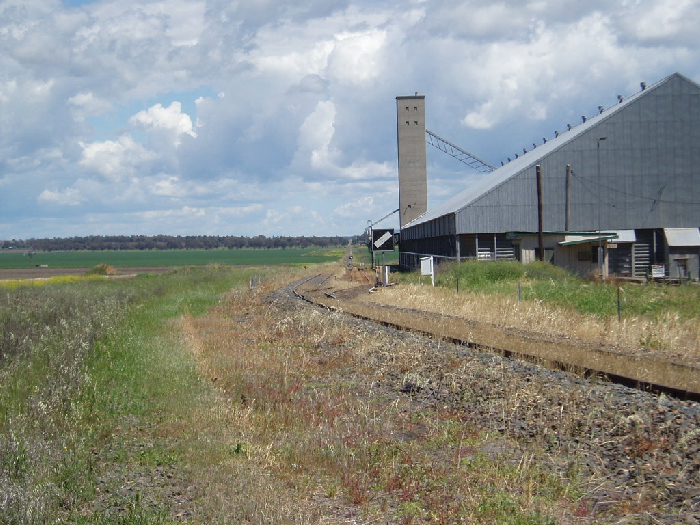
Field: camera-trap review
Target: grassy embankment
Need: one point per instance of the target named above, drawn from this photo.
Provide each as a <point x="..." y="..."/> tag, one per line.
<point x="125" y="402"/>
<point x="544" y="298"/>
<point x="90" y="375"/>
<point x="159" y="399"/>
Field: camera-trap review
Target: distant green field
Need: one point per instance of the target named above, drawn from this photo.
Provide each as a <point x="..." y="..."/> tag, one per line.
<point x="138" y="258"/>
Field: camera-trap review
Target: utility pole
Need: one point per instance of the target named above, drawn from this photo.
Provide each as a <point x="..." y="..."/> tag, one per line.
<point x="540" y="216"/>
<point x="600" y="205"/>
<point x="567" y="202"/>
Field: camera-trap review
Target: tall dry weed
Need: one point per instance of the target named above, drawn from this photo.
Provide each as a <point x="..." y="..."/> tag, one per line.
<point x="312" y="400"/>
<point x="666" y="334"/>
<point x="48" y="337"/>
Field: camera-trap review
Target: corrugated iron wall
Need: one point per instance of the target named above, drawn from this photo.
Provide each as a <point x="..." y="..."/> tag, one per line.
<point x="644" y="174"/>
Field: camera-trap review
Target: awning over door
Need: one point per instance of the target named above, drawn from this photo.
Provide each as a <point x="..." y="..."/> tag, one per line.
<point x="570" y="240"/>
<point x="625" y="236"/>
<point x="682" y="236"/>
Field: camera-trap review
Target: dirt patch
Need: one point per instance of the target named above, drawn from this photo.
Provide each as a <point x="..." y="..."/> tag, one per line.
<point x="359" y="276"/>
<point x="11" y="274"/>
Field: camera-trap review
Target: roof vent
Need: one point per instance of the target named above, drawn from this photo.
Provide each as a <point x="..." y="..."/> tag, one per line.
<point x="534" y="145"/>
<point x="556" y="134"/>
<point x="569" y="127"/>
<point x="644" y="85"/>
<point x="620" y="98"/>
<point x="544" y="139"/>
<point x="601" y="109"/>
<point x="502" y="163"/>
<point x="583" y="117"/>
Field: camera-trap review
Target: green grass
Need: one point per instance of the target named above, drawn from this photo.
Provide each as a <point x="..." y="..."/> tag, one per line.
<point x="554" y="285"/>
<point x="361" y="255"/>
<point x="136" y="258"/>
<point x="48" y="334"/>
<point x="88" y="372"/>
<point x="99" y="393"/>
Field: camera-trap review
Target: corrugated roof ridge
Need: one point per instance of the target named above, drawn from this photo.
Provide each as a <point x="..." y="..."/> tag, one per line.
<point x="680" y="75"/>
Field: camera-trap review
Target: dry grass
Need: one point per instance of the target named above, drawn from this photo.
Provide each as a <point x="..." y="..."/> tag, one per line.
<point x="667" y="335"/>
<point x="263" y="410"/>
<point x="310" y="419"/>
<point x="102" y="269"/>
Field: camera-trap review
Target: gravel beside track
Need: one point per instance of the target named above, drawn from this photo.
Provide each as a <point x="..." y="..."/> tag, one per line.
<point x="639" y="452"/>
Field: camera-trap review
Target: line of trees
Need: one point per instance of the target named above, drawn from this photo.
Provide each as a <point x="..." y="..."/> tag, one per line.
<point x="169" y="242"/>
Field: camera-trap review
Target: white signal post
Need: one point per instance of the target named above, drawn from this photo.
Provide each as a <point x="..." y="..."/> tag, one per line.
<point x="427" y="267"/>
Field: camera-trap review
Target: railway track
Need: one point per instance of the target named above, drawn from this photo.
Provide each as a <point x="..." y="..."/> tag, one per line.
<point x="582" y="357"/>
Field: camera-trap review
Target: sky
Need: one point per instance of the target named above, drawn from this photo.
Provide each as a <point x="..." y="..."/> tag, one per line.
<point x="263" y="117"/>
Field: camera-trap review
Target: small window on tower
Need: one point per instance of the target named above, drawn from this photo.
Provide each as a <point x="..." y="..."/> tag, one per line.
<point x="406" y="108"/>
<point x="415" y="108"/>
<point x="408" y="123"/>
<point x="415" y="122"/>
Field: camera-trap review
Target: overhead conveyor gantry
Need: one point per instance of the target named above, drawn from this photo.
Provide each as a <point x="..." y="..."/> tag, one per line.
<point x="458" y="153"/>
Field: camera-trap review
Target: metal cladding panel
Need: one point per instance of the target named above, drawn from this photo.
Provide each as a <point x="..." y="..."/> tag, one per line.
<point x="512" y="203"/>
<point x="636" y="167"/>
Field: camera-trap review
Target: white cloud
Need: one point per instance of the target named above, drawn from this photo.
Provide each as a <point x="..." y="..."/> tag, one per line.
<point x="96" y="104"/>
<point x="86" y="104"/>
<point x="65" y="197"/>
<point x="168" y="186"/>
<point x="186" y="212"/>
<point x="316" y="134"/>
<point x="357" y="57"/>
<point x="115" y="159"/>
<point x="351" y="209"/>
<point x="169" y="119"/>
<point x="311" y="83"/>
<point x="661" y="22"/>
<point x="7" y="89"/>
<point x="525" y="77"/>
<point x="316" y="147"/>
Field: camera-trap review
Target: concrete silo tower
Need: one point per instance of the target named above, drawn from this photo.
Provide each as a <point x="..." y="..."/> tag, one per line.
<point x="413" y="171"/>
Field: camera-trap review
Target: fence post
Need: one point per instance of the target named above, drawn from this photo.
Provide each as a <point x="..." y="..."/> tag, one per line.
<point x="619" y="305"/>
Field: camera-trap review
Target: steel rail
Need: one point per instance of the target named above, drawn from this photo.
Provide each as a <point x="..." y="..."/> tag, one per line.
<point x="585" y="359"/>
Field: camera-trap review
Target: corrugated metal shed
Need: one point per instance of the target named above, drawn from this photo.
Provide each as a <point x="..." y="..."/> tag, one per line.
<point x="636" y="165"/>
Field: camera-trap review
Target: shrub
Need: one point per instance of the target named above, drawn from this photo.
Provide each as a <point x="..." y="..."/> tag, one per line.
<point x="480" y="273"/>
<point x="102" y="269"/>
<point x="542" y="270"/>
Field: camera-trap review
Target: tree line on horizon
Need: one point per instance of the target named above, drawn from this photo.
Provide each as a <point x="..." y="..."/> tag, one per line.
<point x="171" y="242"/>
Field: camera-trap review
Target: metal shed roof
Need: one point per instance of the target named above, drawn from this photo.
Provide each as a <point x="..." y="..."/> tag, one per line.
<point x="502" y="175"/>
<point x="682" y="236"/>
<point x="625" y="236"/>
<point x="570" y="240"/>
